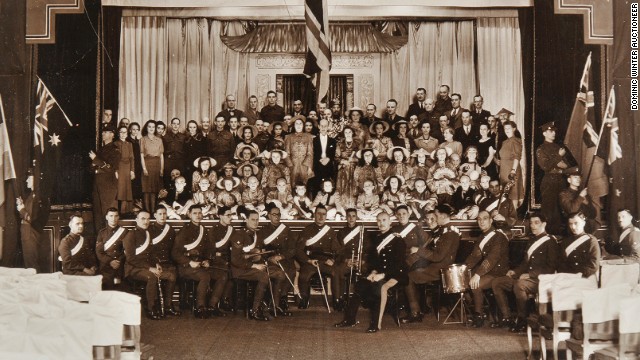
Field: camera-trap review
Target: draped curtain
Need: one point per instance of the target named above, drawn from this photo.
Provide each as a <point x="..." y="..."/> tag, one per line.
<point x="436" y="53"/>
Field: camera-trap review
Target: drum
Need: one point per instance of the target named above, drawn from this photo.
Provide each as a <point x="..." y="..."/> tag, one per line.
<point x="455" y="278"/>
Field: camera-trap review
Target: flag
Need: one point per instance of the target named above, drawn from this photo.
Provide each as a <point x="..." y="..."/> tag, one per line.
<point x="582" y="139"/>
<point x="318" y="60"/>
<point x="7" y="168"/>
<point x="609" y="145"/>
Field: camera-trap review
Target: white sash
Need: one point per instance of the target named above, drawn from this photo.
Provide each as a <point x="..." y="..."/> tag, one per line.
<point x="486" y="239"/>
<point x="493" y="205"/>
<point x="351" y="235"/>
<point x="325" y="229"/>
<point x="75" y="248"/>
<point x="269" y="239"/>
<point x="226" y="237"/>
<point x="156" y="240"/>
<point x="193" y="245"/>
<point x="390" y="237"/>
<point x="252" y="246"/>
<point x="140" y="249"/>
<point x="112" y="240"/>
<point x="576" y="243"/>
<point x="536" y="245"/>
<point x="451" y="228"/>
<point x="626" y="232"/>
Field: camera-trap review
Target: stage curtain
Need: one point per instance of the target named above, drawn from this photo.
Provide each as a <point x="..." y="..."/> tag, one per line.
<point x="436" y="53"/>
<point x="500" y="68"/>
<point x="143" y="69"/>
<point x="229" y="68"/>
<point x="189" y="69"/>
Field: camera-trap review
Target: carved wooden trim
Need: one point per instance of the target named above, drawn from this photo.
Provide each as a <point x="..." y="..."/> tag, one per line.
<point x="598" y="18"/>
<point x="41" y="18"/>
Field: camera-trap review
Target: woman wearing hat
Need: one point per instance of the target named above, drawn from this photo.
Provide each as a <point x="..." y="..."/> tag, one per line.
<point x="402" y="138"/>
<point x="345" y="157"/>
<point x="299" y="146"/>
<point x="228" y="194"/>
<point x="245" y="171"/>
<point x="442" y="178"/>
<point x="247" y="134"/>
<point x="275" y="169"/>
<point x="381" y="143"/>
<point x="367" y="169"/>
<point x="398" y="164"/>
<point x="277" y="133"/>
<point x="360" y="132"/>
<point x="204" y="169"/>
<point x="420" y="163"/>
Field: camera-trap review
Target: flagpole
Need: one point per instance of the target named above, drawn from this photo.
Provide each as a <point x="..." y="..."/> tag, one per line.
<point x="593" y="159"/>
<point x="54" y="99"/>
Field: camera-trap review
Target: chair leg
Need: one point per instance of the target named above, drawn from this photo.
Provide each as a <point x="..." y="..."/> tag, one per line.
<point x="543" y="347"/>
<point x="529" y="342"/>
<point x="555" y="346"/>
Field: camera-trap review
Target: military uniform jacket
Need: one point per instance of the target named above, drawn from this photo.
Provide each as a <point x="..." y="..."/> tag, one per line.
<point x="417" y="237"/>
<point x="222" y="144"/>
<point x="548" y="158"/>
<point x="349" y="239"/>
<point x="162" y="239"/>
<point x="106" y="160"/>
<point x="173" y="144"/>
<point x="137" y="249"/>
<point x="541" y="257"/>
<point x="389" y="260"/>
<point x="243" y="242"/>
<point x="191" y="244"/>
<point x="585" y="258"/>
<point x="114" y="250"/>
<point x="571" y="202"/>
<point x="320" y="250"/>
<point x="283" y="243"/>
<point x="493" y="258"/>
<point x="35" y="211"/>
<point x="628" y="245"/>
<point x="220" y="242"/>
<point x="441" y="250"/>
<point x="76" y="256"/>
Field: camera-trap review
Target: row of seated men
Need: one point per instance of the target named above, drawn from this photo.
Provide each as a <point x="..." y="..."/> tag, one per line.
<point x="403" y="255"/>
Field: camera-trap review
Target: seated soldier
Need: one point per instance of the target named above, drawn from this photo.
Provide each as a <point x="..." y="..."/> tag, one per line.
<point x="110" y="251"/>
<point x="541" y="258"/>
<point x="162" y="239"/>
<point x="302" y="203"/>
<point x="462" y="200"/>
<point x="178" y="201"/>
<point x="488" y="260"/>
<point x="627" y="246"/>
<point x="368" y="203"/>
<point x="206" y="198"/>
<point x="349" y="238"/>
<point x="76" y="253"/>
<point x="504" y="216"/>
<point x="283" y="200"/>
<point x="436" y="254"/>
<point x="579" y="252"/>
<point x="421" y="200"/>
<point x="253" y="196"/>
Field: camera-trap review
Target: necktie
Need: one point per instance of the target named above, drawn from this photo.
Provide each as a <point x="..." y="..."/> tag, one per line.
<point x="466" y="129"/>
<point x="421" y="105"/>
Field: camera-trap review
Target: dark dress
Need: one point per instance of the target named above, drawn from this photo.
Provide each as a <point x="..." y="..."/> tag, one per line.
<point x="194" y="147"/>
<point x="483" y="154"/>
<point x="136" y="184"/>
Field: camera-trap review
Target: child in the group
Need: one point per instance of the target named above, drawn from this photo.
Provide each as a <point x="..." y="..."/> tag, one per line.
<point x="302" y="203"/>
<point x="462" y="200"/>
<point x="471" y="167"/>
<point x="331" y="200"/>
<point x="178" y="200"/>
<point x="393" y="194"/>
<point x="368" y="203"/>
<point x="421" y="167"/>
<point x="253" y="196"/>
<point x="206" y="198"/>
<point x="275" y="170"/>
<point x="283" y="199"/>
<point x="421" y="200"/>
<point x="229" y="195"/>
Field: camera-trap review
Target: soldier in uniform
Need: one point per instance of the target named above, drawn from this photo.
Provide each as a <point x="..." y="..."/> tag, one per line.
<point x="388" y="269"/>
<point x="189" y="252"/>
<point x="317" y="248"/>
<point x="488" y="260"/>
<point x="438" y="252"/>
<point x="579" y="252"/>
<point x="141" y="266"/>
<point x="110" y="251"/>
<point x="105" y="185"/>
<point x="222" y="144"/>
<point x="272" y="112"/>
<point x="277" y="237"/>
<point x="412" y="233"/>
<point x="627" y="245"/>
<point x="220" y="251"/>
<point x="541" y="258"/>
<point x="162" y="239"/>
<point x="246" y="265"/>
<point x="173" y="144"/>
<point x="34" y="211"/>
<point x="75" y="251"/>
<point x="504" y="216"/>
<point x="349" y="239"/>
<point x="573" y="200"/>
<point x="552" y="160"/>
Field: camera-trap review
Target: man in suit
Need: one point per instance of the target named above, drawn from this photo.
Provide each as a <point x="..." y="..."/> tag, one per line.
<point x="455" y="114"/>
<point x="478" y="114"/>
<point x="429" y="114"/>
<point x="324" y="153"/>
<point x="298" y="108"/>
<point x="438" y="131"/>
<point x="230" y="109"/>
<point x="392" y="117"/>
<point x="419" y="106"/>
<point x="443" y="104"/>
<point x="541" y="258"/>
<point x="370" y="115"/>
<point x="468" y="134"/>
<point x="252" y="113"/>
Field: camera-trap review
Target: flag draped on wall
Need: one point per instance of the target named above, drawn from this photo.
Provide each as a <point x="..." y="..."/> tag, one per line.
<point x="582" y="139"/>
<point x="318" y="60"/>
<point x="7" y="167"/>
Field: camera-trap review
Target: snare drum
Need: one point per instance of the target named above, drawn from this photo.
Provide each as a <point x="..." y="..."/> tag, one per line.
<point x="455" y="278"/>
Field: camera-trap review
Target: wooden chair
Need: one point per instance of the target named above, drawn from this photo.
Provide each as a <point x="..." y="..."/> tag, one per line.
<point x="629" y="328"/>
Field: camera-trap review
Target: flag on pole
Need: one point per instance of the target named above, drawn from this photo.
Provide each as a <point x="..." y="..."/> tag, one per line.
<point x="582" y="139"/>
<point x="7" y="168"/>
<point x="318" y="60"/>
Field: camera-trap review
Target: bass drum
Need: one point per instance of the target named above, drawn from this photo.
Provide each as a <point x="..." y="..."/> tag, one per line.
<point x="455" y="278"/>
